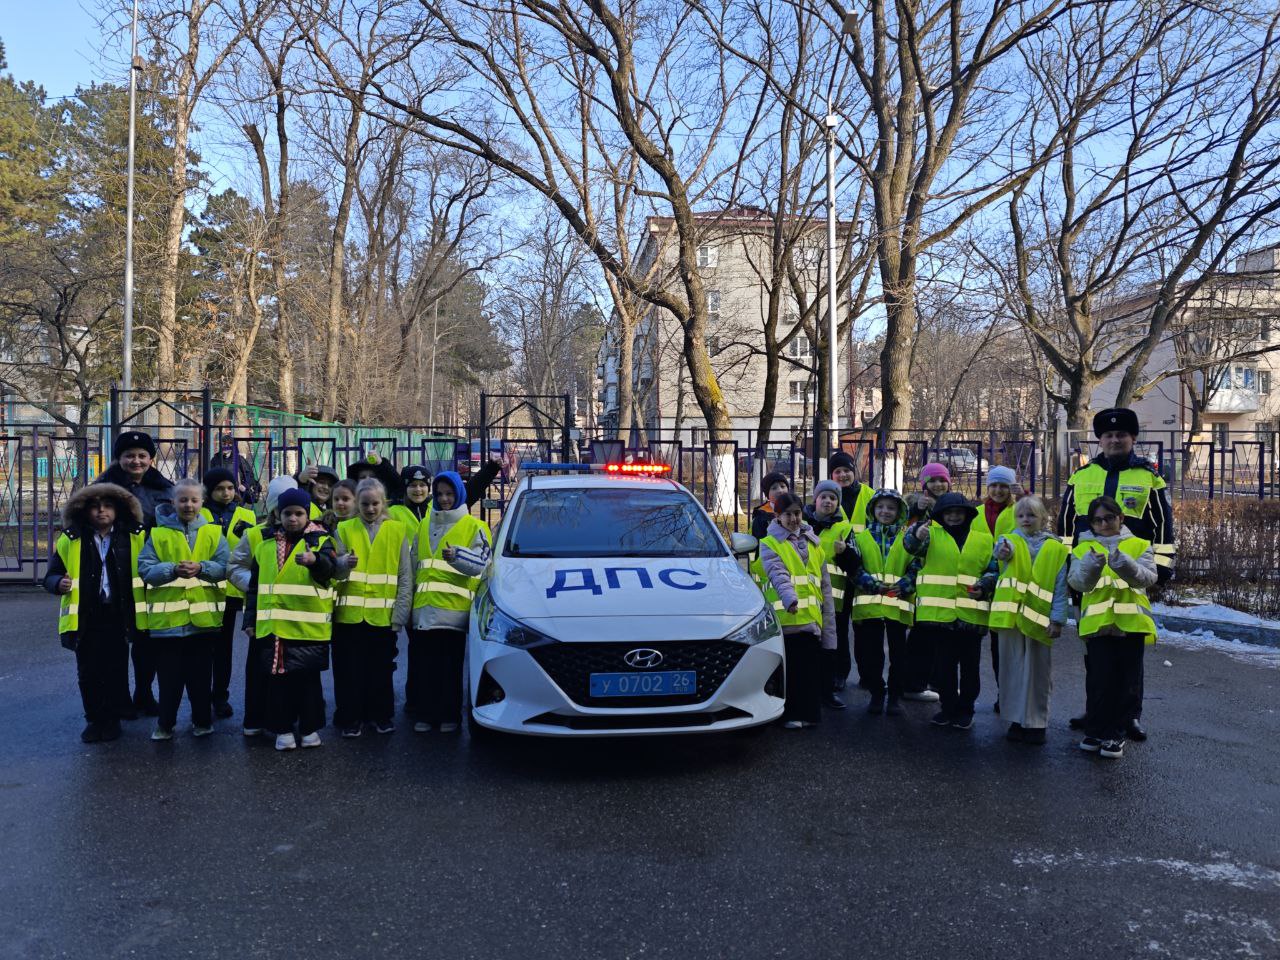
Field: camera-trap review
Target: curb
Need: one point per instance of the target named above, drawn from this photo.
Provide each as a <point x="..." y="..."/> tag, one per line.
<point x="1249" y="633"/>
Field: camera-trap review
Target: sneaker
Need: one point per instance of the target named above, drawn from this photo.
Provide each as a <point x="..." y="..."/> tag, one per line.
<point x="832" y="701"/>
<point x="251" y="731"/>
<point x="222" y="709"/>
<point x="311" y="740"/>
<point x="1016" y="733"/>
<point x="161" y="733"/>
<point x="793" y="725"/>
<point x="385" y="727"/>
<point x="1135" y="731"/>
<point x="1112" y="749"/>
<point x="350" y="732"/>
<point x="876" y="706"/>
<point x="421" y="726"/>
<point x="924" y="696"/>
<point x="808" y="724"/>
<point x="448" y="728"/>
<point x="286" y="741"/>
<point x="201" y="731"/>
<point x="962" y="723"/>
<point x="1090" y="744"/>
<point x="1033" y="735"/>
<point x="940" y="719"/>
<point x="893" y="708"/>
<point x="92" y="733"/>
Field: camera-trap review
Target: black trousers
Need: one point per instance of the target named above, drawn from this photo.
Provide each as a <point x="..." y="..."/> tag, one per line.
<point x="295" y="698"/>
<point x="922" y="649"/>
<point x="805" y="676"/>
<point x="955" y="670"/>
<point x="185" y="663"/>
<point x="143" y="653"/>
<point x="102" y="669"/>
<point x="435" y="674"/>
<point x="869" y="638"/>
<point x="414" y="673"/>
<point x="839" y="662"/>
<point x="995" y="660"/>
<point x="223" y="645"/>
<point x="1113" y="679"/>
<point x="255" y="683"/>
<point x="364" y="657"/>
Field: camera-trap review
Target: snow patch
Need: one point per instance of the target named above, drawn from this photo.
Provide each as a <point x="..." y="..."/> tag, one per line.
<point x="1213" y="613"/>
<point x="1204" y="639"/>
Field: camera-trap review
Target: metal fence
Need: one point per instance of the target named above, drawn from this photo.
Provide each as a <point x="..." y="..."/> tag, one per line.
<point x="41" y="465"/>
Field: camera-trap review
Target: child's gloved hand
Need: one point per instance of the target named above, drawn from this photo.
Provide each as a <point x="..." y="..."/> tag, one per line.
<point x="450" y="552"/>
<point x="65" y="585"/>
<point x="921" y="532"/>
<point x="1119" y="560"/>
<point x="793" y="606"/>
<point x="307" y="559"/>
<point x="1094" y="560"/>
<point x="1004" y="550"/>
<point x="351" y="561"/>
<point x="309" y="473"/>
<point x="840" y="547"/>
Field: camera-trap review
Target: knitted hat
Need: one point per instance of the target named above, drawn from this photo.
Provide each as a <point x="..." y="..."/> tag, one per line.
<point x="1117" y="418"/>
<point x="930" y="470"/>
<point x="276" y="487"/>
<point x="1002" y="475"/>
<point x="415" y="471"/>
<point x="826" y="486"/>
<point x="133" y="440"/>
<point x="776" y="476"/>
<point x="950" y="501"/>
<point x="215" y="476"/>
<point x="840" y="459"/>
<point x="294" y="498"/>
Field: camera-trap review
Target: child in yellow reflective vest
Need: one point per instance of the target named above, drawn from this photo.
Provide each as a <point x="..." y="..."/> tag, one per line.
<point x="882" y="600"/>
<point x="93" y="569"/>
<point x="953" y="589"/>
<point x="373" y="605"/>
<point x="1028" y="611"/>
<point x="935" y="479"/>
<point x="450" y="551"/>
<point x="835" y="534"/>
<point x="343" y="501"/>
<point x="799" y="588"/>
<point x="222" y="507"/>
<point x="415" y="480"/>
<point x="184" y="567"/>
<point x="1112" y="570"/>
<point x="290" y="606"/>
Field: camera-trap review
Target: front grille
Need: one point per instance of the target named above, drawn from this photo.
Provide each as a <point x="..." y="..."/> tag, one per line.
<point x="570" y="665"/>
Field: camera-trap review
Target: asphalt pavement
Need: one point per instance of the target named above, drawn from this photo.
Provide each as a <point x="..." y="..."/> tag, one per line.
<point x="867" y="837"/>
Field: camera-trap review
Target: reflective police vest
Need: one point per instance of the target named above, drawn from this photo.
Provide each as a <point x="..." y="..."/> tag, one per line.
<point x="806" y="580"/>
<point x="886" y="571"/>
<point x="436" y="582"/>
<point x="942" y="586"/>
<point x="185" y="600"/>
<point x="827" y="540"/>
<point x="241" y="522"/>
<point x="859" y="519"/>
<point x="1112" y="602"/>
<point x="1005" y="521"/>
<point x="1024" y="593"/>
<point x="291" y="605"/>
<point x="68" y="548"/>
<point x="369" y="592"/>
<point x="1134" y="487"/>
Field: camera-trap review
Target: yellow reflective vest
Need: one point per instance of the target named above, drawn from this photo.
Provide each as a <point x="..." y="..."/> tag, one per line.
<point x="1024" y="593"/>
<point x="859" y="519"/>
<point x="436" y="582"/>
<point x="290" y="604"/>
<point x="1112" y="602"/>
<point x="886" y="571"/>
<point x="827" y="541"/>
<point x="241" y="522"/>
<point x="68" y="549"/>
<point x="368" y="594"/>
<point x="942" y="585"/>
<point x="806" y="580"/>
<point x="185" y="600"/>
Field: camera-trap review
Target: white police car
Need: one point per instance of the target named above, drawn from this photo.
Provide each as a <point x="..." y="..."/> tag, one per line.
<point x="613" y="606"/>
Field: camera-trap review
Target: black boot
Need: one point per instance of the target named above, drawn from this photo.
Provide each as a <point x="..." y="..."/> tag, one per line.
<point x="1135" y="731"/>
<point x="876" y="706"/>
<point x="1079" y="723"/>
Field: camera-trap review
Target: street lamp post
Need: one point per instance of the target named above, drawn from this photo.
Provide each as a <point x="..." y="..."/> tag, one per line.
<point x="833" y="347"/>
<point x="127" y="371"/>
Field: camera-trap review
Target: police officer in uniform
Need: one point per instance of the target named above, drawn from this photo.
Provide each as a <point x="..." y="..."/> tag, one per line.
<point x="1134" y="482"/>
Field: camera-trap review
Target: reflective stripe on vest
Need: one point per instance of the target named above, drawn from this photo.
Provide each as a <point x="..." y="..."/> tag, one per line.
<point x="185" y="600"/>
<point x="436" y="582"/>
<point x="369" y="592"/>
<point x="827" y="540"/>
<point x="887" y="571"/>
<point x="942" y="586"/>
<point x="69" y="603"/>
<point x="806" y="581"/>
<point x="1023" y="599"/>
<point x="290" y="605"/>
<point x="1112" y="602"/>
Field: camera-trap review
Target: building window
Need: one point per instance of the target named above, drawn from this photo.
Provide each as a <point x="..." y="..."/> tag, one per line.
<point x="708" y="257"/>
<point x="797" y="393"/>
<point x="800" y="348"/>
<point x="713" y="307"/>
<point x="1264" y="381"/>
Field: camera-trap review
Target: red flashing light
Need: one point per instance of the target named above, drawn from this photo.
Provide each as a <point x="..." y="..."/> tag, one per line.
<point x="638" y="469"/>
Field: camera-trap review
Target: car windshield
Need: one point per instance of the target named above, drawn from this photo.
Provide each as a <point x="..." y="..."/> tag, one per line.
<point x="604" y="522"/>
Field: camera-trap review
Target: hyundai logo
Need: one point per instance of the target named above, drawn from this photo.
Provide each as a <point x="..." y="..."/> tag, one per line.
<point x="643" y="659"/>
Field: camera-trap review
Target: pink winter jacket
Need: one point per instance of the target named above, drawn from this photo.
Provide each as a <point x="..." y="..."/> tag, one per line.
<point x="804" y="540"/>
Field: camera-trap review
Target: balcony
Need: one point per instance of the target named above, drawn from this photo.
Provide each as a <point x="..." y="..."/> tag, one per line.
<point x="1233" y="400"/>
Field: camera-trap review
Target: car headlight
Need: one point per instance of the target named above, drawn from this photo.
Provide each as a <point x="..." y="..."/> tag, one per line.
<point x="764" y="626"/>
<point x="500" y="628"/>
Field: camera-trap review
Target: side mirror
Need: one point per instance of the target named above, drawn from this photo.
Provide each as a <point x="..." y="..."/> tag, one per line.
<point x="743" y="543"/>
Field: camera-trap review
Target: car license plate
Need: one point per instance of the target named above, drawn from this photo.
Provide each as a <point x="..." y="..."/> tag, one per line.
<point x="660" y="683"/>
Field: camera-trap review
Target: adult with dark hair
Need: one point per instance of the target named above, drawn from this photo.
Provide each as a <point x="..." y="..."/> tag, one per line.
<point x="229" y="457"/>
<point x="1134" y="482"/>
<point x="377" y="468"/>
<point x="133" y="468"/>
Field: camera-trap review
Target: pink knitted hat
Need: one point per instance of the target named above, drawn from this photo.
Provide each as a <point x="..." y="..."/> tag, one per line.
<point x="930" y="470"/>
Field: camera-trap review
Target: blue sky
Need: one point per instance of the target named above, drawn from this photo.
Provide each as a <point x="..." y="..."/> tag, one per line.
<point x="53" y="42"/>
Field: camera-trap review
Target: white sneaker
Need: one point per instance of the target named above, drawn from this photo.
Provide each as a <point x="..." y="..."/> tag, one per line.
<point x="160" y="733"/>
<point x="923" y="696"/>
<point x="286" y="741"/>
<point x="311" y="740"/>
<point x="448" y="728"/>
<point x="793" y="725"/>
<point x="201" y="731"/>
<point x="252" y="731"/>
<point x="422" y="727"/>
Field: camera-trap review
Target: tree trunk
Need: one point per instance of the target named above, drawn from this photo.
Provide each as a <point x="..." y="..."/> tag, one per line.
<point x="238" y="388"/>
<point x="167" y="321"/>
<point x="895" y="358"/>
<point x="337" y="257"/>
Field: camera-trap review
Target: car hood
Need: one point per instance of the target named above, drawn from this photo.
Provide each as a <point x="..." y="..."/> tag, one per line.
<point x="715" y="591"/>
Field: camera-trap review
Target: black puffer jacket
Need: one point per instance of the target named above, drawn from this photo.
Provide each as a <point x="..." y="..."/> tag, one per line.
<point x="153" y="490"/>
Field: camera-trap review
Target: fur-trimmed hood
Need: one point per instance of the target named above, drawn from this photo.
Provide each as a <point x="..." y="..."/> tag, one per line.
<point x="75" y="512"/>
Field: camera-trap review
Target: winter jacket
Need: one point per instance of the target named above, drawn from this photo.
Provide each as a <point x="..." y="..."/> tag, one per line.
<point x="1141" y="574"/>
<point x="469" y="561"/>
<point x="294" y="655"/>
<point x="986" y="582"/>
<point x="241" y="468"/>
<point x="153" y="490"/>
<point x="803" y="540"/>
<point x="404" y="575"/>
<point x="156" y="573"/>
<point x="847" y="560"/>
<point x="1061" y="608"/>
<point x="119" y="569"/>
<point x="384" y="471"/>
